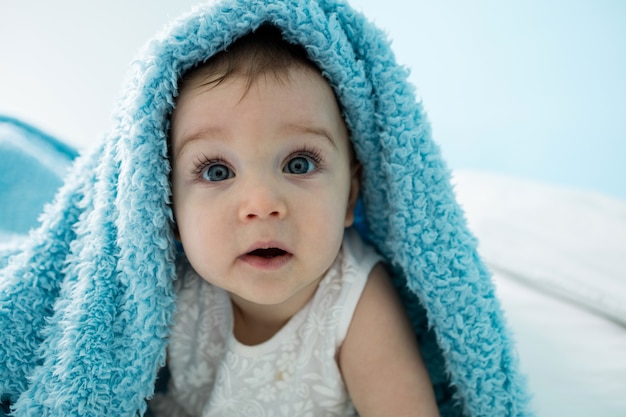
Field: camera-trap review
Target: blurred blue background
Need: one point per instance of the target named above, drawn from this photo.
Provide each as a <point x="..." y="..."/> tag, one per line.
<point x="534" y="89"/>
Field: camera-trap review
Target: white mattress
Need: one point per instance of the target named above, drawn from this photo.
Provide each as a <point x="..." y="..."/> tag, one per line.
<point x="559" y="262"/>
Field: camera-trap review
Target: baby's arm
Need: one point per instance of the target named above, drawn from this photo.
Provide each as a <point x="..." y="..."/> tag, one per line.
<point x="380" y="361"/>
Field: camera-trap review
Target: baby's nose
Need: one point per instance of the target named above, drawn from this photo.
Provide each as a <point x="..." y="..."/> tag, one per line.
<point x="262" y="200"/>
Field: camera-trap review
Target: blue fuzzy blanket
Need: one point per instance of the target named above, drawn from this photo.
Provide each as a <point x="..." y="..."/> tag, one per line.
<point x="32" y="167"/>
<point x="86" y="303"/>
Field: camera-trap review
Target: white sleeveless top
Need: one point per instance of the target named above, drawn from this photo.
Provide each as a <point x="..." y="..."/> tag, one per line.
<point x="295" y="373"/>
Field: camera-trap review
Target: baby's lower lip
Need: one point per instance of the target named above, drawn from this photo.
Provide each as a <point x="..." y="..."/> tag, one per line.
<point x="269" y="264"/>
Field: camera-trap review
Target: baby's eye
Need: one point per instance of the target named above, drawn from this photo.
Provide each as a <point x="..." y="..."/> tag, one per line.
<point x="299" y="165"/>
<point x="217" y="172"/>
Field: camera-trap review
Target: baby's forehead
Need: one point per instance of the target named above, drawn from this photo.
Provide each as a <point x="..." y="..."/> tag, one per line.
<point x="299" y="105"/>
<point x="307" y="82"/>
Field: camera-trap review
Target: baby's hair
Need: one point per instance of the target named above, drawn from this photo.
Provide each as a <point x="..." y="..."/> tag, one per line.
<point x="263" y="52"/>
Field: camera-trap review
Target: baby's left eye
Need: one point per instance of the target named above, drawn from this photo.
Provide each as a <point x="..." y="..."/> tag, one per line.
<point x="299" y="165"/>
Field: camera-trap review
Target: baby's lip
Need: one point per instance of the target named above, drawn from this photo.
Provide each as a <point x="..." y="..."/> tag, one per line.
<point x="267" y="256"/>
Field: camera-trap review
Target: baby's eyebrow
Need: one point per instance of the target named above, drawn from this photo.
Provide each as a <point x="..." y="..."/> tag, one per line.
<point x="213" y="132"/>
<point x="204" y="133"/>
<point x="311" y="130"/>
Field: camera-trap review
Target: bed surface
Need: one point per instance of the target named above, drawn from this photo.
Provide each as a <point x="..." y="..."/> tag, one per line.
<point x="558" y="258"/>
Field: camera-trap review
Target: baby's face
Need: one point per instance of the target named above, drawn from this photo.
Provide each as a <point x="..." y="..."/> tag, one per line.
<point x="262" y="183"/>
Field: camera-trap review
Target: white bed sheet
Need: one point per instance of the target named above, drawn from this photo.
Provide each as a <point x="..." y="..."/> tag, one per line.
<point x="559" y="262"/>
<point x="575" y="360"/>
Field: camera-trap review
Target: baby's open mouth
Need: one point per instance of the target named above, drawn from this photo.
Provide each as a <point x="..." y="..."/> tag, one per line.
<point x="268" y="253"/>
<point x="269" y="259"/>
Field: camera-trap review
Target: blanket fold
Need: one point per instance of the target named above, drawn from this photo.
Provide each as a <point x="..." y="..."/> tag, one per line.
<point x="85" y="307"/>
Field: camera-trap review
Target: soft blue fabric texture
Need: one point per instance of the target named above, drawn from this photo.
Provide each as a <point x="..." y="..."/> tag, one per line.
<point x="85" y="306"/>
<point x="32" y="167"/>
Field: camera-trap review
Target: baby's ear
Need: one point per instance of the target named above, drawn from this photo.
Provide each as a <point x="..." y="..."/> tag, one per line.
<point x="353" y="197"/>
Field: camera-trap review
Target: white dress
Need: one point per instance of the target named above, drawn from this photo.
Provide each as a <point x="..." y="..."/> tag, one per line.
<point x="295" y="373"/>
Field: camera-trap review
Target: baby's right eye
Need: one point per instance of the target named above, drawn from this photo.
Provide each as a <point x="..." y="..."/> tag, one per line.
<point x="217" y="172"/>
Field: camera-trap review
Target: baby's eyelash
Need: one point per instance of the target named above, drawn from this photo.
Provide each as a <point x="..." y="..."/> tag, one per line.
<point x="314" y="154"/>
<point x="202" y="162"/>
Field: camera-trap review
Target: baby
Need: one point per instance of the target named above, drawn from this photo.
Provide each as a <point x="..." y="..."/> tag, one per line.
<point x="236" y="146"/>
<point x="282" y="309"/>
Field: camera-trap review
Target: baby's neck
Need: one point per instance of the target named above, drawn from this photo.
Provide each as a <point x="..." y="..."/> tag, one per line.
<point x="252" y="329"/>
<point x="254" y="323"/>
